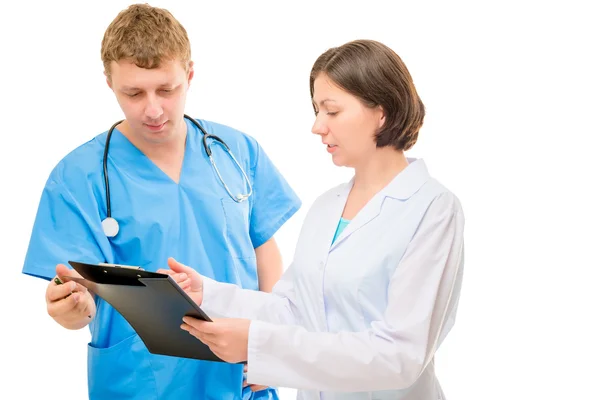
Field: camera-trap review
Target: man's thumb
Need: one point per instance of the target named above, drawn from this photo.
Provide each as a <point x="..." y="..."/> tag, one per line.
<point x="62" y="270"/>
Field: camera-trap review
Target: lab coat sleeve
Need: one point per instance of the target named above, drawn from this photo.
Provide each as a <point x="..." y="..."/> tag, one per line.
<point x="392" y="354"/>
<point x="228" y="300"/>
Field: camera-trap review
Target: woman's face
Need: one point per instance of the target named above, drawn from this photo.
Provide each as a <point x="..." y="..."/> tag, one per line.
<point x="346" y="126"/>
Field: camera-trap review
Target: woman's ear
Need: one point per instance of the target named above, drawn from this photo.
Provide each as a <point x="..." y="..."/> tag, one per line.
<point x="381" y="117"/>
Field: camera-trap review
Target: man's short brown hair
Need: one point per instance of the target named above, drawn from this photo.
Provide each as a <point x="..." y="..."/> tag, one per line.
<point x="377" y="76"/>
<point x="147" y="36"/>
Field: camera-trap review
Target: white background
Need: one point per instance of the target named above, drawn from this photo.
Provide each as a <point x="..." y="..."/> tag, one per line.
<point x="512" y="96"/>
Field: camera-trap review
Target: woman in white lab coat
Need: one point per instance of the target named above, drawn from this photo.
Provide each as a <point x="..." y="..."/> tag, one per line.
<point x="374" y="284"/>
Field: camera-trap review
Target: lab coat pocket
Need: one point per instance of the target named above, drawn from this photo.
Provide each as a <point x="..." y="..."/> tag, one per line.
<point x="237" y="229"/>
<point x="121" y="371"/>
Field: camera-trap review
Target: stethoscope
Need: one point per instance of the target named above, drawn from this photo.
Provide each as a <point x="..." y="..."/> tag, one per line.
<point x="111" y="226"/>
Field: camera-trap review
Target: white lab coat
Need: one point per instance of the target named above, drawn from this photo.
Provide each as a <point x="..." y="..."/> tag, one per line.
<point x="360" y="318"/>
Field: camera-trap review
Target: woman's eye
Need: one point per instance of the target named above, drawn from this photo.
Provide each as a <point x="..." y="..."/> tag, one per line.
<point x="332" y="113"/>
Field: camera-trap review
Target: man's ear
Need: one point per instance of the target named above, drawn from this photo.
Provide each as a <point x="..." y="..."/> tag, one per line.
<point x="108" y="81"/>
<point x="190" y="72"/>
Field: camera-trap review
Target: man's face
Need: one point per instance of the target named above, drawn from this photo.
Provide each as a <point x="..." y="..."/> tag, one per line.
<point x="153" y="100"/>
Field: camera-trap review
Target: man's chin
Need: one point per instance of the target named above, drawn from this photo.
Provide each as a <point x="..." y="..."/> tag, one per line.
<point x="158" y="137"/>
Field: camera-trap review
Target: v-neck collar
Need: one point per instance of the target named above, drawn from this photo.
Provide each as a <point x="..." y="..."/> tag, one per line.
<point x="133" y="162"/>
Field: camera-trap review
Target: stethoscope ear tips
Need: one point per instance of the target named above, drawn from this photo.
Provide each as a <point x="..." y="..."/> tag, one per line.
<point x="110" y="226"/>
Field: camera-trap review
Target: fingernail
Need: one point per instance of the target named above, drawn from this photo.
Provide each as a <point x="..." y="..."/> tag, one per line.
<point x="76" y="297"/>
<point x="73" y="286"/>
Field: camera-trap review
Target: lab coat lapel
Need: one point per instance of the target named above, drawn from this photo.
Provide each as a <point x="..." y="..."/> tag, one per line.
<point x="369" y="212"/>
<point x="402" y="187"/>
<point x="329" y="219"/>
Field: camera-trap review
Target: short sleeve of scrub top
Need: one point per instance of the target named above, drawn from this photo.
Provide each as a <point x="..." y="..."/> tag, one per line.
<point x="62" y="231"/>
<point x="273" y="201"/>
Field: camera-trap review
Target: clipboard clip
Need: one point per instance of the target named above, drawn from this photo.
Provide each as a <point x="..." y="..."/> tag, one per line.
<point x="121" y="266"/>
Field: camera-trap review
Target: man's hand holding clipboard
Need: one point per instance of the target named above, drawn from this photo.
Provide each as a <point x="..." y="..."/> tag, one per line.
<point x="153" y="303"/>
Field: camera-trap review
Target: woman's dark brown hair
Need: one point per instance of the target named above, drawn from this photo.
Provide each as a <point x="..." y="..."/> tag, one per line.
<point x="377" y="76"/>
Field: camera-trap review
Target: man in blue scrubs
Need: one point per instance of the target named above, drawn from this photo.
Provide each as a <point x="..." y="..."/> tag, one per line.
<point x="168" y="201"/>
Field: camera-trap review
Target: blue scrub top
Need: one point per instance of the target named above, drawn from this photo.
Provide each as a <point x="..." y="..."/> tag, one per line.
<point x="194" y="221"/>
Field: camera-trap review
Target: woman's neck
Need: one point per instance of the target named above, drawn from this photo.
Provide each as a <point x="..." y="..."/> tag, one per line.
<point x="379" y="170"/>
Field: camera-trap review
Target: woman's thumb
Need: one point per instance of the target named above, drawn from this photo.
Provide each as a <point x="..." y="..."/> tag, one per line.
<point x="176" y="265"/>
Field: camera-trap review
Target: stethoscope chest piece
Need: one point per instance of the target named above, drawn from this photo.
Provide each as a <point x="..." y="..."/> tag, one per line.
<point x="110" y="226"/>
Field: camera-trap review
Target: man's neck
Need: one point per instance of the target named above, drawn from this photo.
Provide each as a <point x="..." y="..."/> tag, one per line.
<point x="167" y="151"/>
<point x="167" y="155"/>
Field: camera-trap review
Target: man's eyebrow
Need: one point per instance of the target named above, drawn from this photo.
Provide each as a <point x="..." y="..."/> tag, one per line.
<point x="133" y="88"/>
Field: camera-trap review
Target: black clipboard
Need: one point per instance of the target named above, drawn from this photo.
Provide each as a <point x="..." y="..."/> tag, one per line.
<point x="152" y="303"/>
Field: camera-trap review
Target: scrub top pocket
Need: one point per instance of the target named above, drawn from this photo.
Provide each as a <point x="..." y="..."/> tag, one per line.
<point x="122" y="371"/>
<point x="237" y="226"/>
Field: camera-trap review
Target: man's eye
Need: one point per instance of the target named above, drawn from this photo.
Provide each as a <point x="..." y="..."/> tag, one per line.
<point x="332" y="113"/>
<point x="132" y="94"/>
